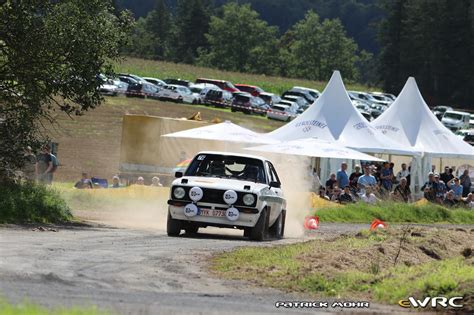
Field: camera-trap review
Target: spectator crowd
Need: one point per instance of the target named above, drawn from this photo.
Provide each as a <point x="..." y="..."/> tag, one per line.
<point x="378" y="181"/>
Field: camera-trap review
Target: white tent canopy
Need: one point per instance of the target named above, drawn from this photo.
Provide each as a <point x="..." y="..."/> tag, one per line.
<point x="411" y="123"/>
<point x="333" y="118"/>
<point x="314" y="148"/>
<point x="226" y="131"/>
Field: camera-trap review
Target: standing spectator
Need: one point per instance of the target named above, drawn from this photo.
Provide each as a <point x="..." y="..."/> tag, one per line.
<point x="355" y="177"/>
<point x="84" y="183"/>
<point x="341" y="176"/>
<point x="428" y="188"/>
<point x="29" y="168"/>
<point x="44" y="166"/>
<point x="140" y="181"/>
<point x="376" y="171"/>
<point x="446" y="176"/>
<point x="465" y="183"/>
<point x="439" y="188"/>
<point x="115" y="182"/>
<point x="346" y="196"/>
<point x="366" y="180"/>
<point x="449" y="201"/>
<point x="386" y="177"/>
<point x="368" y="196"/>
<point x="155" y="182"/>
<point x="330" y="183"/>
<point x="402" y="173"/>
<point x="314" y="180"/>
<point x="402" y="192"/>
<point x="456" y="187"/>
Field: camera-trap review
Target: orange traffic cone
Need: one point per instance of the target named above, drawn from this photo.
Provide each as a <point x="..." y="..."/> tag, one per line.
<point x="311" y="222"/>
<point x="377" y="224"/>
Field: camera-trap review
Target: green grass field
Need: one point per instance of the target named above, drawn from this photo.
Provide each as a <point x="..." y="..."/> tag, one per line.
<point x="163" y="70"/>
<point x="26" y="308"/>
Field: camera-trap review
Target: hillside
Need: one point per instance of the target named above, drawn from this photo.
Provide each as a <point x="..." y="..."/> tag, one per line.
<point x="163" y="70"/>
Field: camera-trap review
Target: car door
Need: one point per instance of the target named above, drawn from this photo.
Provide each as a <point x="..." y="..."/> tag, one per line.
<point x="277" y="202"/>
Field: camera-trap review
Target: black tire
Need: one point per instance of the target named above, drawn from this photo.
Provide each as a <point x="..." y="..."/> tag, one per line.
<point x="173" y="226"/>
<point x="260" y="230"/>
<point x="247" y="232"/>
<point x="277" y="230"/>
<point x="191" y="229"/>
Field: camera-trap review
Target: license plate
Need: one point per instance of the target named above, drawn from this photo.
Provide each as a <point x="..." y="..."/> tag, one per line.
<point x="212" y="213"/>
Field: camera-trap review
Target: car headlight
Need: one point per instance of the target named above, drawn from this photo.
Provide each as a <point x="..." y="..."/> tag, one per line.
<point x="179" y="192"/>
<point x="230" y="197"/>
<point x="196" y="194"/>
<point x="248" y="199"/>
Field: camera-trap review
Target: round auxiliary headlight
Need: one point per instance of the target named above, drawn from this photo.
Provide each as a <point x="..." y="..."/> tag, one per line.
<point x="191" y="210"/>
<point x="248" y="199"/>
<point x="230" y="197"/>
<point x="179" y="192"/>
<point x="195" y="194"/>
<point x="232" y="214"/>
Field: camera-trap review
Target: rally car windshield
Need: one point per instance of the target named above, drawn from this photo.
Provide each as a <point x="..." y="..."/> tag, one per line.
<point x="224" y="166"/>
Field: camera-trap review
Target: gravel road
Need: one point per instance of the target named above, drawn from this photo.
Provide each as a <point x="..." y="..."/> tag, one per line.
<point x="135" y="271"/>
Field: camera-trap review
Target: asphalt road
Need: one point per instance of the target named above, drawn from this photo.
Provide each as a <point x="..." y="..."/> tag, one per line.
<point x="136" y="271"/>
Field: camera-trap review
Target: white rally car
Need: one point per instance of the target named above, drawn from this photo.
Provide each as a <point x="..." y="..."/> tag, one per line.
<point x="228" y="190"/>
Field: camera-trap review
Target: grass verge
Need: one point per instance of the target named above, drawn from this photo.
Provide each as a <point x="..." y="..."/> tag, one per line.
<point x="384" y="266"/>
<point x="395" y="212"/>
<point x="31" y="203"/>
<point x="33" y="309"/>
<point x="163" y="70"/>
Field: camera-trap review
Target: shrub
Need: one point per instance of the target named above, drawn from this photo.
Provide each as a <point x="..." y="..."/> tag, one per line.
<point x="32" y="203"/>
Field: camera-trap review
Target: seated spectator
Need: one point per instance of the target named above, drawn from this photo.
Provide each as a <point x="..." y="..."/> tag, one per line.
<point x="115" y="182"/>
<point x="439" y="188"/>
<point x="346" y="196"/>
<point x="428" y="188"/>
<point x="322" y="193"/>
<point x="449" y="201"/>
<point x="456" y="187"/>
<point x="366" y="180"/>
<point x="330" y="183"/>
<point x="402" y="173"/>
<point x="155" y="182"/>
<point x="336" y="193"/>
<point x="368" y="196"/>
<point x="402" y="191"/>
<point x="140" y="181"/>
<point x="84" y="183"/>
<point x="469" y="201"/>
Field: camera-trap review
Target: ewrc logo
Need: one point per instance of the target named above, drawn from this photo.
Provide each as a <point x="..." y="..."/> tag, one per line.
<point x="433" y="302"/>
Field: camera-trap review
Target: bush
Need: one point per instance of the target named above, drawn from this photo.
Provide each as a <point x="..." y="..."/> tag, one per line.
<point x="32" y="203"/>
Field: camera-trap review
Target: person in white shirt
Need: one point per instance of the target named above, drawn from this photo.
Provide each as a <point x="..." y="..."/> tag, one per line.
<point x="369" y="196"/>
<point x="403" y="173"/>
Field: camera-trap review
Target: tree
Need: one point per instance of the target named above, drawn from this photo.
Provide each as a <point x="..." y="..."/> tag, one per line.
<point x="319" y="48"/>
<point x="50" y="55"/>
<point x="192" y="23"/>
<point x="240" y="41"/>
<point x="159" y="26"/>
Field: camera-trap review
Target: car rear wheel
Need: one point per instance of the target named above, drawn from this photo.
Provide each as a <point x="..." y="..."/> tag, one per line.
<point x="259" y="231"/>
<point x="173" y="226"/>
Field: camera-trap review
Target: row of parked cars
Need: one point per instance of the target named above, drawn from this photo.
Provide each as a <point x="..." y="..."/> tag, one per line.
<point x="245" y="98"/>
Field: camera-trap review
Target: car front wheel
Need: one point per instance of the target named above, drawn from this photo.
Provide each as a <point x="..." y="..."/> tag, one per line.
<point x="173" y="226"/>
<point x="259" y="231"/>
<point x="277" y="230"/>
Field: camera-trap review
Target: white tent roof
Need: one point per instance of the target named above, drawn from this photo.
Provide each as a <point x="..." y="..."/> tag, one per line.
<point x="410" y="122"/>
<point x="314" y="148"/>
<point x="333" y="118"/>
<point x="226" y="131"/>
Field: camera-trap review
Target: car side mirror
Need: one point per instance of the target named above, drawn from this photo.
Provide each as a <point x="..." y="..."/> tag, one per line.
<point x="275" y="184"/>
<point x="178" y="174"/>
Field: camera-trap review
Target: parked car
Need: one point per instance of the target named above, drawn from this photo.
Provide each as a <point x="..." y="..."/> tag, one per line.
<point x="469" y="137"/>
<point x="228" y="190"/>
<point x="314" y="93"/>
<point x="366" y="115"/>
<point x="218" y="98"/>
<point x="224" y="85"/>
<point x="462" y="133"/>
<point x="178" y="93"/>
<point x="282" y="112"/>
<point x="368" y="98"/>
<point x="159" y="83"/>
<point x="202" y="87"/>
<point x="362" y="107"/>
<point x="127" y="79"/>
<point x="300" y="101"/>
<point x="377" y="109"/>
<point x="440" y="110"/>
<point x="181" y="82"/>
<point x="270" y="98"/>
<point x="133" y="76"/>
<point x="108" y="87"/>
<point x="248" y="104"/>
<point x="143" y="90"/>
<point x="455" y="120"/>
<point x="252" y="89"/>
<point x="121" y="87"/>
<point x="387" y="96"/>
<point x="471" y="122"/>
<point x="300" y="92"/>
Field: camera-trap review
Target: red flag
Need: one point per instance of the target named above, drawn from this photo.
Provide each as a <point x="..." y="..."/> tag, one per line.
<point x="377" y="224"/>
<point x="311" y="222"/>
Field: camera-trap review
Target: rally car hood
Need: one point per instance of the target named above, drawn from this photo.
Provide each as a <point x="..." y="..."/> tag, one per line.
<point x="220" y="183"/>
